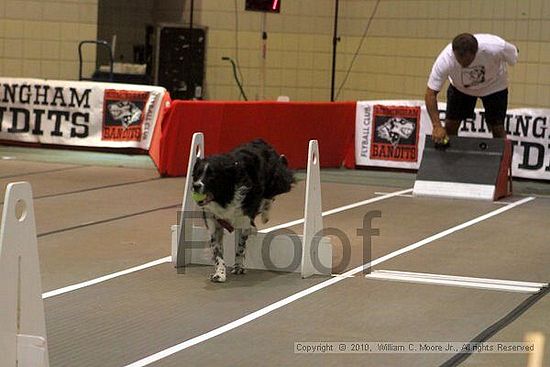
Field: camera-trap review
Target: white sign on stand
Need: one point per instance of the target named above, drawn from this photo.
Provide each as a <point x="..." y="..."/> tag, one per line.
<point x="23" y="333"/>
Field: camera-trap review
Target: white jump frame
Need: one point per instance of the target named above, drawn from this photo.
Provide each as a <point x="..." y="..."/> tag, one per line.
<point x="23" y="334"/>
<point x="308" y="254"/>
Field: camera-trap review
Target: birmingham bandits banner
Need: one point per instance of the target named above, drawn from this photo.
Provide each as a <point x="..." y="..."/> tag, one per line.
<point x="385" y="135"/>
<point x="79" y="113"/>
<point x="389" y="134"/>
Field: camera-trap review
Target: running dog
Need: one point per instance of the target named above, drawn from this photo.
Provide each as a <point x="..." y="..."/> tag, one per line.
<point x="234" y="188"/>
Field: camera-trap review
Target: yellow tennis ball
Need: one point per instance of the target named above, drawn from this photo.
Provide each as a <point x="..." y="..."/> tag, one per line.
<point x="198" y="197"/>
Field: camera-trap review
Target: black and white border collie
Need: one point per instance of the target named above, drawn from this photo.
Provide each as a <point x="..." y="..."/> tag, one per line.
<point x="239" y="186"/>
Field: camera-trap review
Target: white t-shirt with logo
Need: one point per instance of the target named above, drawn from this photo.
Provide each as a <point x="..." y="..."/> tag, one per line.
<point x="486" y="75"/>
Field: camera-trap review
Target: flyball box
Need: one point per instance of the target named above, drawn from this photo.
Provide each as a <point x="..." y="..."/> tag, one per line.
<point x="468" y="168"/>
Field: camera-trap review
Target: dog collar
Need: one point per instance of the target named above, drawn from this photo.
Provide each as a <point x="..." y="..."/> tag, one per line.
<point x="225" y="224"/>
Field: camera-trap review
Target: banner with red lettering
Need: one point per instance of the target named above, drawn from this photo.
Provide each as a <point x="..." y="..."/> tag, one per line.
<point x="75" y="113"/>
<point x="389" y="134"/>
<point x="385" y="135"/>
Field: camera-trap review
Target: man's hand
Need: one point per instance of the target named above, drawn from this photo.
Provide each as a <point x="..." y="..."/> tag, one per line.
<point x="439" y="134"/>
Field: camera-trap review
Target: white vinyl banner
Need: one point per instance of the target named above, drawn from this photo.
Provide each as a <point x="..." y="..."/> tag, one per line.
<point x="390" y="133"/>
<point x="76" y="113"/>
<point x="393" y="133"/>
<point x="529" y="131"/>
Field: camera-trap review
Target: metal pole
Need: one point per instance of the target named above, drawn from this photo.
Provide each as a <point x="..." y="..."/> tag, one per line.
<point x="191" y="14"/>
<point x="335" y="40"/>
<point x="263" y="57"/>
<point x="189" y="61"/>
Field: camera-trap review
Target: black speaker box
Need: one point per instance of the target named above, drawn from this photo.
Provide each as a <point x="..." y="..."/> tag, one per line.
<point x="179" y="57"/>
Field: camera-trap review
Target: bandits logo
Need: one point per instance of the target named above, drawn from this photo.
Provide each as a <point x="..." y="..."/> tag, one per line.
<point x="123" y="115"/>
<point x="126" y="112"/>
<point x="395" y="129"/>
<point x="395" y="133"/>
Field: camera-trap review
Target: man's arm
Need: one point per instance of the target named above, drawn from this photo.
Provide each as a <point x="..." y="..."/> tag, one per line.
<point x="510" y="53"/>
<point x="438" y="131"/>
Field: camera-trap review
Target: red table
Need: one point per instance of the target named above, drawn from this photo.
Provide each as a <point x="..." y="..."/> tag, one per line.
<point x="288" y="126"/>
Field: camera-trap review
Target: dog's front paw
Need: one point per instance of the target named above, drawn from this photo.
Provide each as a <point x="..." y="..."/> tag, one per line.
<point x="238" y="270"/>
<point x="217" y="277"/>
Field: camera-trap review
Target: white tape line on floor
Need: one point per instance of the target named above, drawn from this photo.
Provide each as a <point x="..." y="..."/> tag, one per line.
<point x="105" y="278"/>
<point x="457" y="281"/>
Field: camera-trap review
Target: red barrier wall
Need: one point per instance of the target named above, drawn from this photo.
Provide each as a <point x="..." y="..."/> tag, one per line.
<point x="288" y="126"/>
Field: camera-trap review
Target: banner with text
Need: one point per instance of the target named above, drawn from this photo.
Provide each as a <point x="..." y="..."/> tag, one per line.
<point x="389" y="134"/>
<point x="76" y="113"/>
<point x="392" y="134"/>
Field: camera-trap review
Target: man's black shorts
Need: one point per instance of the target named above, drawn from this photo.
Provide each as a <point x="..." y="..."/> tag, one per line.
<point x="461" y="106"/>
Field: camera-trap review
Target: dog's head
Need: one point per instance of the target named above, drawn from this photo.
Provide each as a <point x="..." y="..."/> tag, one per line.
<point x="214" y="178"/>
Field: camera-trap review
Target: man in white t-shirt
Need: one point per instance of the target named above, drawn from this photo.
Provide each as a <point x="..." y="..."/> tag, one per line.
<point x="476" y="68"/>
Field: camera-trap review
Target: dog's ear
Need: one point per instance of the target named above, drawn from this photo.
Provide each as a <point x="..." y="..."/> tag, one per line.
<point x="196" y="166"/>
<point x="284" y="160"/>
<point x="199" y="161"/>
<point x="228" y="167"/>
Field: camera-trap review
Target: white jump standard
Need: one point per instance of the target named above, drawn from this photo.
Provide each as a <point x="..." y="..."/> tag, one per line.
<point x="22" y="322"/>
